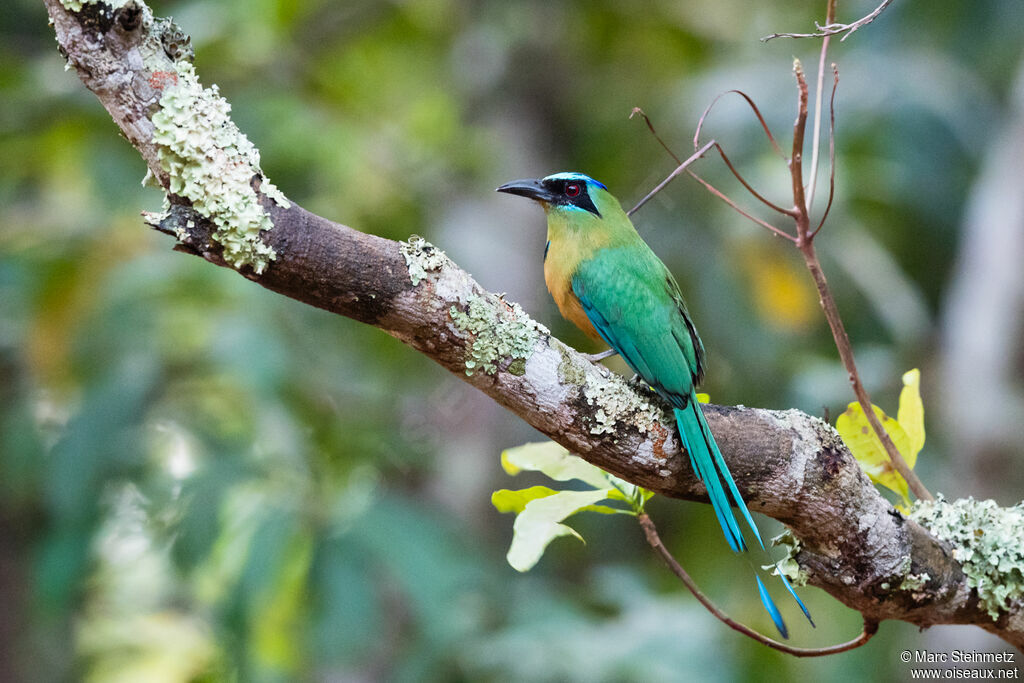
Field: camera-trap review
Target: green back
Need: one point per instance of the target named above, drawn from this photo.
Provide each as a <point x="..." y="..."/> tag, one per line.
<point x="635" y="305"/>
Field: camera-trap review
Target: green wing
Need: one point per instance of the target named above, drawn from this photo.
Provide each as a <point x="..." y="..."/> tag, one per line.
<point x="635" y="305"/>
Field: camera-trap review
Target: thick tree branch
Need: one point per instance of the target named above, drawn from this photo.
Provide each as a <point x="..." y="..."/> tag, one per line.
<point x="788" y="465"/>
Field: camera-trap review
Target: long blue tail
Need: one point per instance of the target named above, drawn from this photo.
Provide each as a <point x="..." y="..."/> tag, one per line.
<point x="709" y="466"/>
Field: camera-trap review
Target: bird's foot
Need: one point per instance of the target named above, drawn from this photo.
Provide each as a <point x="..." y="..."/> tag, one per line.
<point x="597" y="357"/>
<point x="637" y="382"/>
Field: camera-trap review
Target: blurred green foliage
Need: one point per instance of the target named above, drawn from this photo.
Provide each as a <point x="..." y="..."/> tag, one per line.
<point x="200" y="480"/>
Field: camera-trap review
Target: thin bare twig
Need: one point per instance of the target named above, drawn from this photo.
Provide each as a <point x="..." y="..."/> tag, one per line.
<point x="831" y="29"/>
<point x="654" y="540"/>
<point x="735" y="172"/>
<point x="721" y="195"/>
<point x="830" y="17"/>
<point x="725" y="158"/>
<point x="679" y="169"/>
<point x="650" y="127"/>
<point x="831" y="151"/>
<point x="805" y="243"/>
<point x="748" y="187"/>
<point x="728" y="163"/>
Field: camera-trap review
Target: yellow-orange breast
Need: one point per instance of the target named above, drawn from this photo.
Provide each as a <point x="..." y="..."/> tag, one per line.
<point x="570" y="308"/>
<point x="558" y="272"/>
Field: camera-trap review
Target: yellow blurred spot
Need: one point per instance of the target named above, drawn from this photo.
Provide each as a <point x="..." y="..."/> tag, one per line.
<point x="781" y="290"/>
<point x="71" y="293"/>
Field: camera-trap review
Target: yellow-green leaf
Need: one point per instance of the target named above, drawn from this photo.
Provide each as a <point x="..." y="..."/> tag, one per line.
<point x="911" y="414"/>
<point x="505" y="500"/>
<point x="514" y="501"/>
<point x="604" y="510"/>
<point x="866" y="447"/>
<point x="540" y="523"/>
<point x="554" y="461"/>
<point x="616" y="494"/>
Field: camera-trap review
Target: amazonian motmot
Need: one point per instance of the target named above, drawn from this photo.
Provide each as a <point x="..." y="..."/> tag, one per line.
<point x="607" y="281"/>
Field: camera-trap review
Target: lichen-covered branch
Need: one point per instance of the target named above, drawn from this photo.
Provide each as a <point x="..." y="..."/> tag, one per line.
<point x="846" y="538"/>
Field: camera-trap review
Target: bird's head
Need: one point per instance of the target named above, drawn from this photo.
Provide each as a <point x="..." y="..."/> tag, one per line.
<point x="565" y="194"/>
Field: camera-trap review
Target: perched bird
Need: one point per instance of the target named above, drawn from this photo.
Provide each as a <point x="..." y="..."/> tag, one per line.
<point x="607" y="281"/>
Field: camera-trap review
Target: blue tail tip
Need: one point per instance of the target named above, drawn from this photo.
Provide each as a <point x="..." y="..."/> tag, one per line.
<point x="789" y="587"/>
<point x="772" y="610"/>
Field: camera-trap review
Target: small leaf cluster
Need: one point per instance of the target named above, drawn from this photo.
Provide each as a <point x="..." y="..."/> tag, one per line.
<point x="540" y="510"/>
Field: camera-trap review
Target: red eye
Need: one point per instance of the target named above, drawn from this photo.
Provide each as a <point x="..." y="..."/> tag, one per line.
<point x="572" y="190"/>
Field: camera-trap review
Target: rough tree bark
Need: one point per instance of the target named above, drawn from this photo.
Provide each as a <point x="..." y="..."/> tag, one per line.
<point x="788" y="465"/>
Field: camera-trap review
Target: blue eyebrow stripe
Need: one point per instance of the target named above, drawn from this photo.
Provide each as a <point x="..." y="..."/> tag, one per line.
<point x="578" y="176"/>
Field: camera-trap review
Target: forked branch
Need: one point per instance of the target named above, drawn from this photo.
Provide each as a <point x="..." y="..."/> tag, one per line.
<point x="805" y="243"/>
<point x="831" y="28"/>
<point x="804" y="237"/>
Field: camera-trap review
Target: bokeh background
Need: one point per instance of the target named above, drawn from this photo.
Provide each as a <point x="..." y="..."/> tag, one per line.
<point x="203" y="481"/>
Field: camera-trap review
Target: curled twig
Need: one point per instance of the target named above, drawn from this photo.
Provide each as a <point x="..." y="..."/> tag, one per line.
<point x="757" y="195"/>
<point x="736" y="207"/>
<point x="735" y="172"/>
<point x="753" y="106"/>
<point x="683" y="165"/>
<point x="654" y="540"/>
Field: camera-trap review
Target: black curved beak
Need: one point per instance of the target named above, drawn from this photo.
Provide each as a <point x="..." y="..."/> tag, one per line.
<point x="529" y="188"/>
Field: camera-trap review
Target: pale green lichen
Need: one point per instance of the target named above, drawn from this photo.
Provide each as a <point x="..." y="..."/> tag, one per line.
<point x="788" y="566"/>
<point x="987" y="540"/>
<point x="421" y="257"/>
<point x="508" y="337"/>
<point x="568" y="371"/>
<point x="212" y="164"/>
<point x="614" y="399"/>
<point x="915" y="582"/>
<point x="77" y="5"/>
